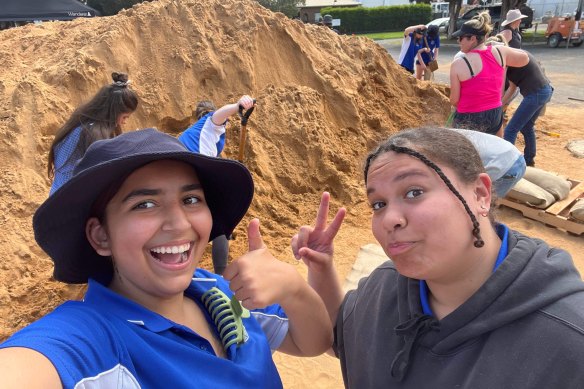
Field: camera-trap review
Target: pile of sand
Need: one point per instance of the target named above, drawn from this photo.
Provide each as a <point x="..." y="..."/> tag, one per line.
<point x="323" y="101"/>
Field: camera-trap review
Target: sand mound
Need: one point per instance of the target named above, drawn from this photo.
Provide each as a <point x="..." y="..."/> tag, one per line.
<point x="323" y="101"/>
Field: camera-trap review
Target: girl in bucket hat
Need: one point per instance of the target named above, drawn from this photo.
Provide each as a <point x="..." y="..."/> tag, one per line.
<point x="476" y="78"/>
<point x="133" y="222"/>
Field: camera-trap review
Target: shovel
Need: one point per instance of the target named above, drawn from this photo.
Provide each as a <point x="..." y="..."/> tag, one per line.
<point x="244" y="115"/>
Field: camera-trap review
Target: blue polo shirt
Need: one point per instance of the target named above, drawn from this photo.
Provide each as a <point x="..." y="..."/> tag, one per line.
<point x="109" y="341"/>
<point x="433" y="43"/>
<point x="64" y="164"/>
<point x="409" y="51"/>
<point x="204" y="137"/>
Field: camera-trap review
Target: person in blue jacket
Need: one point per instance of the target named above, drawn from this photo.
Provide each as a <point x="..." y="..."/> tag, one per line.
<point x="207" y="136"/>
<point x="465" y="301"/>
<point x="133" y="222"/>
<point x="411" y="44"/>
<point x="101" y="117"/>
<point x="428" y="52"/>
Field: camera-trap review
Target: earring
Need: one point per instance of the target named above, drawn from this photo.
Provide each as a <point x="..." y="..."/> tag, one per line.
<point x="485" y="211"/>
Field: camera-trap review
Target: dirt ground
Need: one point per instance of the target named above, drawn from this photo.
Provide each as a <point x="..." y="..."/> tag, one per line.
<point x="324" y="100"/>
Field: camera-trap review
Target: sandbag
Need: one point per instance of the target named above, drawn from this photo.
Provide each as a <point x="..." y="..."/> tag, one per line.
<point x="577" y="210"/>
<point x="576" y="147"/>
<point x="528" y="193"/>
<point x="551" y="183"/>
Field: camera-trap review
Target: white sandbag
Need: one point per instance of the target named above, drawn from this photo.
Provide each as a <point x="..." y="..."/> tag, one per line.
<point x="528" y="193"/>
<point x="559" y="187"/>
<point x="576" y="147"/>
<point x="577" y="210"/>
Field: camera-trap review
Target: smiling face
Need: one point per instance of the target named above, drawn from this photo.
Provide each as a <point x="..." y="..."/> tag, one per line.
<point x="418" y="221"/>
<point x="156" y="229"/>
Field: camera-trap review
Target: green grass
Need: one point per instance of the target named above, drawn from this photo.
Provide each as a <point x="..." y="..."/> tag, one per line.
<point x="384" y="35"/>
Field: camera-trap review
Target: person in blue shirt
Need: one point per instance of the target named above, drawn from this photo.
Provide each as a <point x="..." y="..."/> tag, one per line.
<point x="465" y="301"/>
<point x="411" y="44"/>
<point x="207" y="136"/>
<point x="428" y="52"/>
<point x="101" y="117"/>
<point x="133" y="222"/>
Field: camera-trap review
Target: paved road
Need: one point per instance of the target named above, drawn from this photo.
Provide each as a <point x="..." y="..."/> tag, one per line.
<point x="564" y="67"/>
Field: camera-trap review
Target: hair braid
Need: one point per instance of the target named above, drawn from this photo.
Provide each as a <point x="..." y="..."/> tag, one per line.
<point x="476" y="231"/>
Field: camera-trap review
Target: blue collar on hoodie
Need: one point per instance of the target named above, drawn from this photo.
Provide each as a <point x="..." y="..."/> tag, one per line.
<point x="503" y="233"/>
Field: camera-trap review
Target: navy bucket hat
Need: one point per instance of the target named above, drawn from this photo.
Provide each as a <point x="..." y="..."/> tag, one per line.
<point x="59" y="223"/>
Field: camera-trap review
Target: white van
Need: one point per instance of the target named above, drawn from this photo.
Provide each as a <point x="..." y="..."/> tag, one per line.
<point x="439" y="10"/>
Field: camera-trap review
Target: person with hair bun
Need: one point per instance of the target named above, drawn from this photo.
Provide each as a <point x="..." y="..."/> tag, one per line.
<point x="102" y="117"/>
<point x="477" y="77"/>
<point x="465" y="301"/>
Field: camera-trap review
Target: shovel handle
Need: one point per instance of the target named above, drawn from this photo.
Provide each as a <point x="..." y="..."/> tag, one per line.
<point x="242" y="137"/>
<point x="244" y="115"/>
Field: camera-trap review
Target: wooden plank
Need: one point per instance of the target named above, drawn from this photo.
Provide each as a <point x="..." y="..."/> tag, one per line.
<point x="543" y="216"/>
<point x="559" y="206"/>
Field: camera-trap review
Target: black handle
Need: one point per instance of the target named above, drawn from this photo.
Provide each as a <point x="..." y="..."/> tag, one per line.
<point x="244" y="115"/>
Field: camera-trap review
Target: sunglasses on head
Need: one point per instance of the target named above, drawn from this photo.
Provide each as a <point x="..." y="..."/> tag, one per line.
<point x="463" y="37"/>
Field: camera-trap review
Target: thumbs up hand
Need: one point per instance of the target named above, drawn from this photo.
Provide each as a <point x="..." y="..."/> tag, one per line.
<point x="257" y="278"/>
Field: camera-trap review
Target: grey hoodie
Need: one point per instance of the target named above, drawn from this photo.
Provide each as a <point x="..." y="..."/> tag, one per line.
<point x="524" y="328"/>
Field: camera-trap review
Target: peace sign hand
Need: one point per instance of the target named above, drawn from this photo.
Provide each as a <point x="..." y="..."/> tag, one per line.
<point x="314" y="245"/>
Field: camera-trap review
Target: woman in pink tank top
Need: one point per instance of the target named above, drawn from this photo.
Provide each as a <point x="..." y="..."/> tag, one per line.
<point x="477" y="77"/>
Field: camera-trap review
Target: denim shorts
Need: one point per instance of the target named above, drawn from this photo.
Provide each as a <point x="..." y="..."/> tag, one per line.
<point x="488" y="121"/>
<point x="504" y="184"/>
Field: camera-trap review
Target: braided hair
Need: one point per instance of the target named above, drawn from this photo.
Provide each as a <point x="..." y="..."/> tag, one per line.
<point x="441" y="145"/>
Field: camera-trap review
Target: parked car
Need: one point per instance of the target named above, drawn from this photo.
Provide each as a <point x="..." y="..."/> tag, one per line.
<point x="558" y="30"/>
<point x="495" y="11"/>
<point x="442" y="24"/>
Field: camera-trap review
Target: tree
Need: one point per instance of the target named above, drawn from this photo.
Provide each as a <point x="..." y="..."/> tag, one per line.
<point x="287" y="7"/>
<point x="454" y="7"/>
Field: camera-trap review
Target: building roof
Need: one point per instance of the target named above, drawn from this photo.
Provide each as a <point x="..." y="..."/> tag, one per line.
<point x="26" y="10"/>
